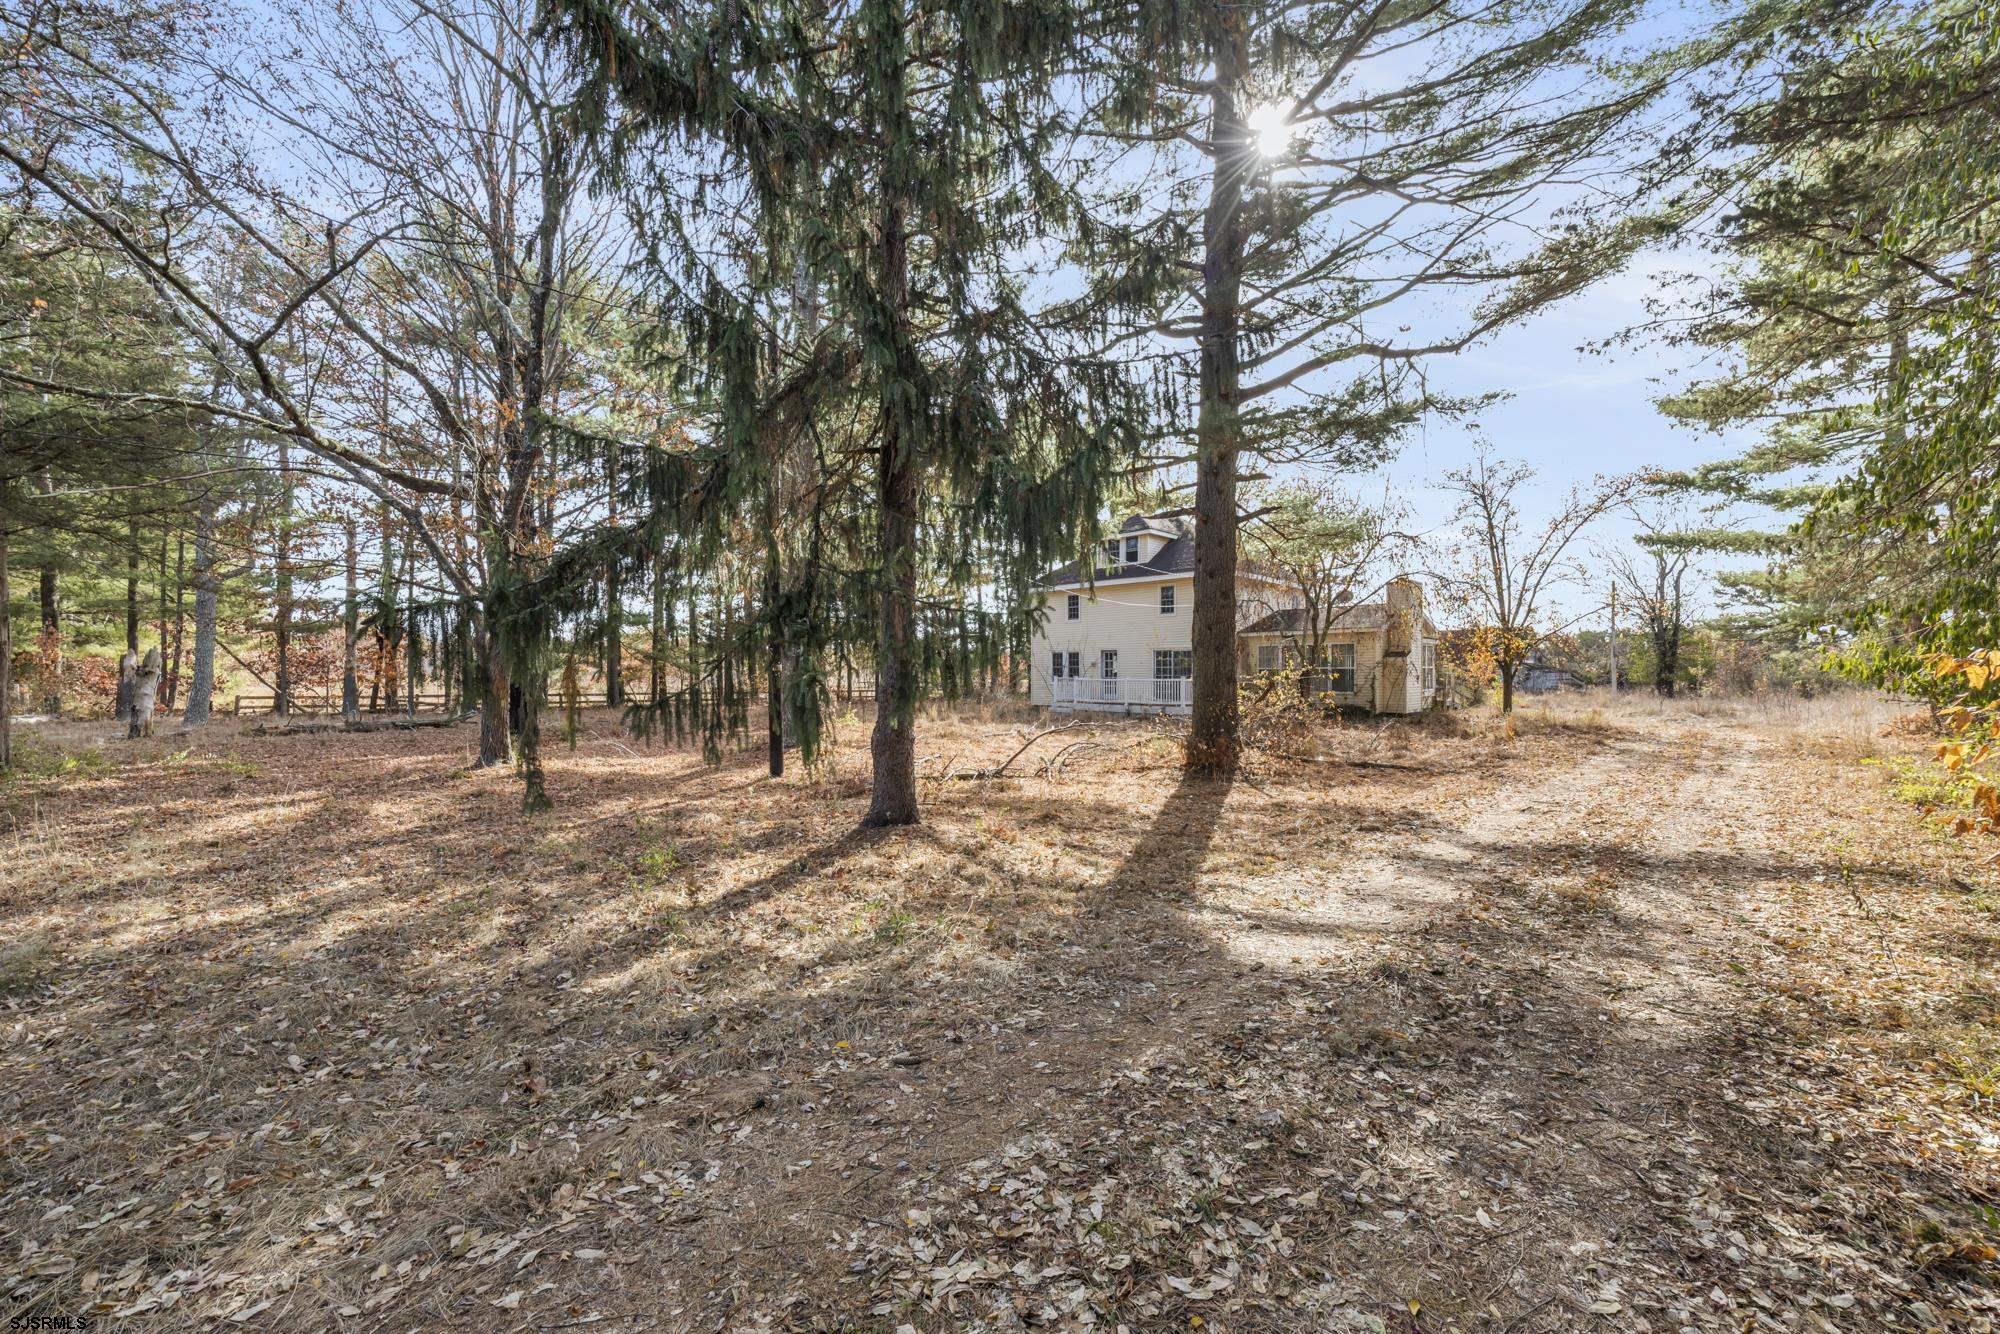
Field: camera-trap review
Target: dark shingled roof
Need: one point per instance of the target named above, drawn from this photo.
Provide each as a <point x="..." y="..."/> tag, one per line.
<point x="1176" y="557"/>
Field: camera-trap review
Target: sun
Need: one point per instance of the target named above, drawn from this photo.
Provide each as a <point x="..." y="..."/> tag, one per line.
<point x="1270" y="130"/>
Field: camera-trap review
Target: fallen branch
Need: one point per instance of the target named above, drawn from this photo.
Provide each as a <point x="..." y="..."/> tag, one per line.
<point x="275" y="692"/>
<point x="1052" y="766"/>
<point x="1000" y="771"/>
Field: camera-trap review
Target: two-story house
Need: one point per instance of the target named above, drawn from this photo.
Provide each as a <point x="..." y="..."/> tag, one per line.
<point x="1119" y="637"/>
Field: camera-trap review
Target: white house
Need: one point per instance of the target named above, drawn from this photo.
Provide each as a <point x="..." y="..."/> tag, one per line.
<point x="1121" y="639"/>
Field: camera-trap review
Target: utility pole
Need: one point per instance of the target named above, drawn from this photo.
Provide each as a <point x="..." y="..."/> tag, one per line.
<point x="1614" y="636"/>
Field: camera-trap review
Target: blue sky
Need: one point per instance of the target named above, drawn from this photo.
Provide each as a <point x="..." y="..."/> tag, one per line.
<point x="1571" y="413"/>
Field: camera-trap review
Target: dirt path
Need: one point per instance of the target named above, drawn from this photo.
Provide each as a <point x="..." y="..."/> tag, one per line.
<point x="1514" y="1048"/>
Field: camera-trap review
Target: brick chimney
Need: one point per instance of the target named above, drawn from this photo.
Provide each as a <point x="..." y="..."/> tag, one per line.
<point x="1405" y="603"/>
<point x="1397" y="687"/>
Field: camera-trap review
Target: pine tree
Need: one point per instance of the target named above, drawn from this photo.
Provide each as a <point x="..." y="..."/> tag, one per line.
<point x="86" y="456"/>
<point x="888" y="150"/>
<point x="1861" y="310"/>
<point x="1290" y="193"/>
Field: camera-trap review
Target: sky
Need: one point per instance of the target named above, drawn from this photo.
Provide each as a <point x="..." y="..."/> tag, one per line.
<point x="1570" y="412"/>
<point x="1579" y="402"/>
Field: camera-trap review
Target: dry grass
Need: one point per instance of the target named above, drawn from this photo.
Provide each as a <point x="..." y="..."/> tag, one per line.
<point x="1849" y="724"/>
<point x="1454" y="1012"/>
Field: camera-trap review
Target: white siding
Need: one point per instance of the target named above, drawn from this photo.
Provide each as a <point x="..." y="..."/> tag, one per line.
<point x="1124" y="614"/>
<point x="1121" y="614"/>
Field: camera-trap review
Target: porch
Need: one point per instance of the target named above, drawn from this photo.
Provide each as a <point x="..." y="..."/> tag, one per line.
<point x="1122" y="694"/>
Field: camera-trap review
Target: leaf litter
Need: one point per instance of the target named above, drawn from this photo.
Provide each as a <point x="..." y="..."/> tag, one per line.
<point x="1605" y="1024"/>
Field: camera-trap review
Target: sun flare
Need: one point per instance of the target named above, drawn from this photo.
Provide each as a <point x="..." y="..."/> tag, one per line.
<point x="1271" y="131"/>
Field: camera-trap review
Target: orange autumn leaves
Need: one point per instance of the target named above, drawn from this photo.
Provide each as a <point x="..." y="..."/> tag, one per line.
<point x="1974" y="720"/>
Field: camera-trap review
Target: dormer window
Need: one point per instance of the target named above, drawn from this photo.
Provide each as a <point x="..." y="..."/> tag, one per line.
<point x="1111" y="553"/>
<point x="1131" y="551"/>
<point x="1075" y="607"/>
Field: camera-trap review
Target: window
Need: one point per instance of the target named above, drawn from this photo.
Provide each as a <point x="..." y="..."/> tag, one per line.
<point x="1075" y="607"/>
<point x="1131" y="551"/>
<point x="1340" y="668"/>
<point x="1075" y="663"/>
<point x="1108" y="663"/>
<point x="1167" y="600"/>
<point x="1172" y="670"/>
<point x="1111" y="553"/>
<point x="1430" y="668"/>
<point x="1267" y="657"/>
<point x="1056" y="665"/>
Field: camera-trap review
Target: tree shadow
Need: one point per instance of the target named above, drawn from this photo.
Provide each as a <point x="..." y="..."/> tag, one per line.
<point x="1100" y="994"/>
<point x="1167" y="859"/>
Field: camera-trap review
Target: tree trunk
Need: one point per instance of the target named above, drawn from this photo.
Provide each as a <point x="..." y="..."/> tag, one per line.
<point x="128" y="681"/>
<point x="893" y="746"/>
<point x="614" y="642"/>
<point x="657" y="667"/>
<point x="350" y="630"/>
<point x="1212" y="736"/>
<point x="386" y="673"/>
<point x="534" y="785"/>
<point x="281" y="704"/>
<point x="774" y="656"/>
<point x="50" y="648"/>
<point x="180" y="621"/>
<point x="160" y="629"/>
<point x="470" y="670"/>
<point x="1507" y="670"/>
<point x="495" y="738"/>
<point x="132" y="590"/>
<point x="201" y="678"/>
<point x="6" y="643"/>
<point x="614" y="618"/>
<point x="412" y="654"/>
<point x="145" y="696"/>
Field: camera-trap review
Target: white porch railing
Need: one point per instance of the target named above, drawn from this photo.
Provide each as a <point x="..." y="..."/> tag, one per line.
<point x="1121" y="692"/>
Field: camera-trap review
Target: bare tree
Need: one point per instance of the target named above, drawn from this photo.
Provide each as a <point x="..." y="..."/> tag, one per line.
<point x="474" y="142"/>
<point x="1500" y="569"/>
<point x="453" y="295"/>
<point x="1653" y="572"/>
